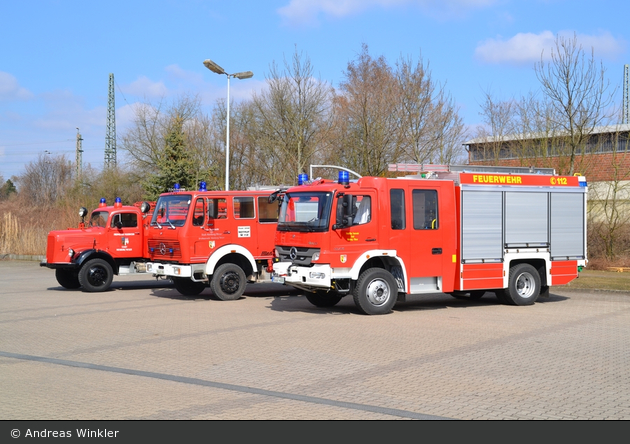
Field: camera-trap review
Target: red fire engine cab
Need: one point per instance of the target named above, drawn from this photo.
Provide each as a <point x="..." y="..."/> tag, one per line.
<point x="220" y="239"/>
<point x="461" y="230"/>
<point x="112" y="242"/>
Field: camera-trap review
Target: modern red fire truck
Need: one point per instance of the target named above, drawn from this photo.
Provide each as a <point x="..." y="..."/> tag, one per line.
<point x="112" y="242"/>
<point x="461" y="230"/>
<point x="220" y="239"/>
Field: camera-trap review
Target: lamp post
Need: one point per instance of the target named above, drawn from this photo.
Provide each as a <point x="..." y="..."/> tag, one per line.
<point x="239" y="75"/>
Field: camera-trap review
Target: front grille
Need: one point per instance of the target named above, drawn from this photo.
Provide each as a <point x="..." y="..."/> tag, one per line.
<point x="296" y="255"/>
<point x="164" y="250"/>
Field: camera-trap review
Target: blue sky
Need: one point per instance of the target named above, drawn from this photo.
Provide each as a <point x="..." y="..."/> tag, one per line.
<point x="56" y="55"/>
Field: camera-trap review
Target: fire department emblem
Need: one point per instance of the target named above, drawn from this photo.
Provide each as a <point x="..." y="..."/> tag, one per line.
<point x="343" y="258"/>
<point x="211" y="244"/>
<point x="124" y="241"/>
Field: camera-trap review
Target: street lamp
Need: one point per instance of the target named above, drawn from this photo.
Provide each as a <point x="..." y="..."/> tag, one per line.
<point x="239" y="75"/>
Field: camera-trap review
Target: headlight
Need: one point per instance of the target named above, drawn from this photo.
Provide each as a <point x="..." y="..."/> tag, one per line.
<point x="70" y="252"/>
<point x="316" y="256"/>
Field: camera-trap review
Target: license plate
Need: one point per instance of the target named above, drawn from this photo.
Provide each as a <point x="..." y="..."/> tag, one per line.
<point x="277" y="279"/>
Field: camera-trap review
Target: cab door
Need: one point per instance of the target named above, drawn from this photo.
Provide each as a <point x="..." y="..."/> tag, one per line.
<point x="125" y="235"/>
<point x="361" y="232"/>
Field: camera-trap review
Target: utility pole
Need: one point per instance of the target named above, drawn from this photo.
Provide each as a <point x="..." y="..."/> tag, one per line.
<point x="110" y="136"/>
<point x="79" y="159"/>
<point x="625" y="118"/>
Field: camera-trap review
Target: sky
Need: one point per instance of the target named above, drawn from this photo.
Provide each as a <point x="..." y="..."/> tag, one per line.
<point x="56" y="55"/>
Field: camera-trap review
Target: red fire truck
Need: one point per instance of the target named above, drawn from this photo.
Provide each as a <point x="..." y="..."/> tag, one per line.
<point x="221" y="239"/>
<point x="111" y="243"/>
<point x="461" y="230"/>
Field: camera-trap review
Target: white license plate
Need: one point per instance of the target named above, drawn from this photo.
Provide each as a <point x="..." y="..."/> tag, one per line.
<point x="277" y="279"/>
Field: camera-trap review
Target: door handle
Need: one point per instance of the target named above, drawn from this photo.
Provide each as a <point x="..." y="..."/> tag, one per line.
<point x="371" y="239"/>
<point x="436" y="251"/>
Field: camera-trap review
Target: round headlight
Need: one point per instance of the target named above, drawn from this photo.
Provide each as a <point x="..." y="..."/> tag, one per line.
<point x="145" y="207"/>
<point x="82" y="212"/>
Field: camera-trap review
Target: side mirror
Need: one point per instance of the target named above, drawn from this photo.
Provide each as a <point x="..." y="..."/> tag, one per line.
<point x="344" y="212"/>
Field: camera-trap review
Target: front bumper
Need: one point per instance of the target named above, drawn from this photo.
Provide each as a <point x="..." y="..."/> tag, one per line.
<point x="317" y="277"/>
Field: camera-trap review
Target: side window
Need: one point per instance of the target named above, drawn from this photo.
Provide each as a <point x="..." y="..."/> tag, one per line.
<point x="267" y="212"/>
<point x="198" y="213"/>
<point x="244" y="208"/>
<point x="363" y="212"/>
<point x="125" y="220"/>
<point x="425" y="210"/>
<point x="217" y="209"/>
<point x="397" y="208"/>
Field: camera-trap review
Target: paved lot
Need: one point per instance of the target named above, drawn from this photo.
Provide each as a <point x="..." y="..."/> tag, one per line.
<point x="141" y="351"/>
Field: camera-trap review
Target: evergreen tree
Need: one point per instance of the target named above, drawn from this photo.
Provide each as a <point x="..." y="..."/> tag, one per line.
<point x="174" y="164"/>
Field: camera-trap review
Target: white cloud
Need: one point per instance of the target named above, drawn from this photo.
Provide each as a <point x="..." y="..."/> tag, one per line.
<point x="11" y="90"/>
<point x="144" y="87"/>
<point x="529" y="47"/>
<point x="306" y="12"/>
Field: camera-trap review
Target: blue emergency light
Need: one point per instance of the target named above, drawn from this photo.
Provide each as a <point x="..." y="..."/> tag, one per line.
<point x="302" y="178"/>
<point x="344" y="178"/>
<point x="202" y="186"/>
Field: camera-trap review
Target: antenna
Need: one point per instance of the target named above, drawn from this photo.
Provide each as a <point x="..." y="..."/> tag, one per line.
<point x="110" y="136"/>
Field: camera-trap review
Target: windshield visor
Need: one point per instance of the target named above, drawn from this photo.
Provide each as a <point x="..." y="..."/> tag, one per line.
<point x="305" y="211"/>
<point x="171" y="210"/>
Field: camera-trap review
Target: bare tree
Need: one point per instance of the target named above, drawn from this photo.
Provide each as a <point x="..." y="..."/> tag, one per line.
<point x="577" y="90"/>
<point x="293" y="116"/>
<point x="369" y="130"/>
<point x="145" y="140"/>
<point x="432" y="129"/>
<point x="46" y="180"/>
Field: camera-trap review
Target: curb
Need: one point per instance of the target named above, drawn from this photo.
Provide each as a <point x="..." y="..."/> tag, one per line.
<point x="22" y="257"/>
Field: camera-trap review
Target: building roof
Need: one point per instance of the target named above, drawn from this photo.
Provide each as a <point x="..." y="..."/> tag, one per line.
<point x="622" y="127"/>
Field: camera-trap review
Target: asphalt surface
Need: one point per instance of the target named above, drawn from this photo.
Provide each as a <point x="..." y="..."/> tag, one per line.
<point x="143" y="352"/>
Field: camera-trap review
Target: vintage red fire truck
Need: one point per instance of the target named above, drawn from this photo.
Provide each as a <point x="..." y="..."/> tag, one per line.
<point x="220" y="239"/>
<point x="461" y="230"/>
<point x="112" y="242"/>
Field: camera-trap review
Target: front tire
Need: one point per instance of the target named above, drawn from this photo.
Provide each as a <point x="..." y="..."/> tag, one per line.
<point x="523" y="285"/>
<point x="323" y="299"/>
<point x="228" y="282"/>
<point x="376" y="292"/>
<point x="96" y="275"/>
<point x="188" y="287"/>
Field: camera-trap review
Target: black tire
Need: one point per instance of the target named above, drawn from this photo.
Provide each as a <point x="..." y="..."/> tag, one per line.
<point x="500" y="296"/>
<point x="188" y="287"/>
<point x="96" y="275"/>
<point x="376" y="292"/>
<point x="228" y="282"/>
<point x="324" y="299"/>
<point x="67" y="278"/>
<point x="523" y="285"/>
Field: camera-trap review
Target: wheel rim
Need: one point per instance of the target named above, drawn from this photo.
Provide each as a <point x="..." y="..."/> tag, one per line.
<point x="97" y="276"/>
<point x="230" y="282"/>
<point x="525" y="285"/>
<point x="378" y="292"/>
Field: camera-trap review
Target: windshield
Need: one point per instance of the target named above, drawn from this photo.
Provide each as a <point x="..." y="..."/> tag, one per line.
<point x="99" y="219"/>
<point x="305" y="211"/>
<point x="171" y="210"/>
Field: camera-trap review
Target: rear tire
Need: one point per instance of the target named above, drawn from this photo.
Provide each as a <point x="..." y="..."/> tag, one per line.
<point x="96" y="275"/>
<point x="376" y="292"/>
<point x="323" y="299"/>
<point x="228" y="282"/>
<point x="523" y="285"/>
<point x="188" y="287"/>
<point x="67" y="278"/>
